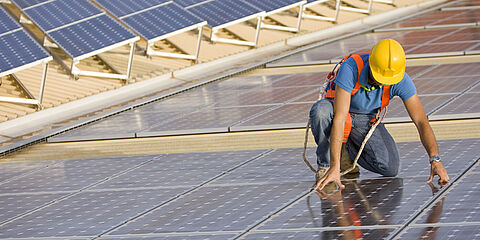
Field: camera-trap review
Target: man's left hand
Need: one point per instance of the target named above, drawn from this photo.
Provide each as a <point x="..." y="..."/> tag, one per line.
<point x="437" y="168"/>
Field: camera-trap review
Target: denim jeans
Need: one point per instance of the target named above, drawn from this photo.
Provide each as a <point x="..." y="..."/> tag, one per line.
<point x="380" y="154"/>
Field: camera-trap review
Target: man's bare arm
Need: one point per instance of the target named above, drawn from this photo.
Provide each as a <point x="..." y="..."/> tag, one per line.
<point x="427" y="136"/>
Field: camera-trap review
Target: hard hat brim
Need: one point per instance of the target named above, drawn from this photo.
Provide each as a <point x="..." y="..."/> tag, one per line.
<point x="388" y="80"/>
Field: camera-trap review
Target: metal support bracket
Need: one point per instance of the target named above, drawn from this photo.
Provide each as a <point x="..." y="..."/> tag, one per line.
<point x="76" y="72"/>
<point x="360" y="10"/>
<point x="321" y="18"/>
<point x="288" y="29"/>
<point x="32" y="99"/>
<point x="151" y="52"/>
<point x="215" y="38"/>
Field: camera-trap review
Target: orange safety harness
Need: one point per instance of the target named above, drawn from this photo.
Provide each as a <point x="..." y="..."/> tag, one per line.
<point x="331" y="92"/>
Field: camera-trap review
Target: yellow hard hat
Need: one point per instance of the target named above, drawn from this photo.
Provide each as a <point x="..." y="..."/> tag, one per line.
<point x="387" y="62"/>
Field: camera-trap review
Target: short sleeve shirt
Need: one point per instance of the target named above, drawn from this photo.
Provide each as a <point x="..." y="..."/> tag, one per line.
<point x="368" y="102"/>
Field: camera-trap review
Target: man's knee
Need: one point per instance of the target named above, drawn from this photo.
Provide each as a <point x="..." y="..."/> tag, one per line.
<point x="390" y="171"/>
<point x="321" y="110"/>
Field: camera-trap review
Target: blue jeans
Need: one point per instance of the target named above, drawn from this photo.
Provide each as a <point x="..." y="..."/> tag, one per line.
<point x="380" y="154"/>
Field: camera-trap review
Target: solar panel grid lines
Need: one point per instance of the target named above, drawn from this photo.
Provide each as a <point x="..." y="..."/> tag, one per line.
<point x="52" y="15"/>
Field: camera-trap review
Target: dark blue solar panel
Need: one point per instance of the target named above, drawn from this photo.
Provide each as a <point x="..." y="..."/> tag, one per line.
<point x="220" y="12"/>
<point x="6" y="22"/>
<point x="161" y="20"/>
<point x="27" y="3"/>
<point x="61" y="12"/>
<point x="90" y="35"/>
<point x="186" y="3"/>
<point x="18" y="49"/>
<point x="271" y="5"/>
<point x="120" y="8"/>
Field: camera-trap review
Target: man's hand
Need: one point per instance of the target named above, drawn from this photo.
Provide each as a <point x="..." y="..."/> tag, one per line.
<point x="437" y="168"/>
<point x="330" y="176"/>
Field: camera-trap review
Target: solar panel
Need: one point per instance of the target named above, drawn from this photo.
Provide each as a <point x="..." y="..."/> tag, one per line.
<point x="246" y="206"/>
<point x="220" y="12"/>
<point x="458" y="206"/>
<point x="120" y="8"/>
<point x="83" y="38"/>
<point x="161" y="20"/>
<point x="441" y="231"/>
<point x="271" y="5"/>
<point x="87" y="213"/>
<point x="72" y="175"/>
<point x="286" y="116"/>
<point x="186" y="3"/>
<point x="58" y="13"/>
<point x="27" y="3"/>
<point x="369" y="202"/>
<point x="176" y="170"/>
<point x="365" y="234"/>
<point x="14" y="205"/>
<point x="19" y="49"/>
<point x="7" y="23"/>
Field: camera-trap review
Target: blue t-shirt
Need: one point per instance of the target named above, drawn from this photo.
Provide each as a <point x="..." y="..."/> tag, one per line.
<point x="367" y="102"/>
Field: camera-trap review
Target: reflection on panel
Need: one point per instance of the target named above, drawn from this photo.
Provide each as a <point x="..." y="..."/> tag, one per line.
<point x="369" y="202"/>
<point x="459" y="205"/>
<point x="365" y="234"/>
<point x="442" y="232"/>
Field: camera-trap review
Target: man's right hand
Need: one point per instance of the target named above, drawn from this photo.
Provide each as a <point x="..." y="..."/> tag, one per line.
<point x="331" y="176"/>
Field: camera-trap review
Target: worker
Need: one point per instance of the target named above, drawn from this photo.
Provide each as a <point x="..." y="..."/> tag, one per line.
<point x="364" y="84"/>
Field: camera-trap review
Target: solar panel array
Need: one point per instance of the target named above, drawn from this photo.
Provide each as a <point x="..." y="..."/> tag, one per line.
<point x="79" y="27"/>
<point x="225" y="195"/>
<point x="18" y="47"/>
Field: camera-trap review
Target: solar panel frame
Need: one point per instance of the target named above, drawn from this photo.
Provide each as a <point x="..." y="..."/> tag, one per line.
<point x="64" y="12"/>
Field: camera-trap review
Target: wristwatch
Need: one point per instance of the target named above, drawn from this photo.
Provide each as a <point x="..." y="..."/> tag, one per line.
<point x="435" y="158"/>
